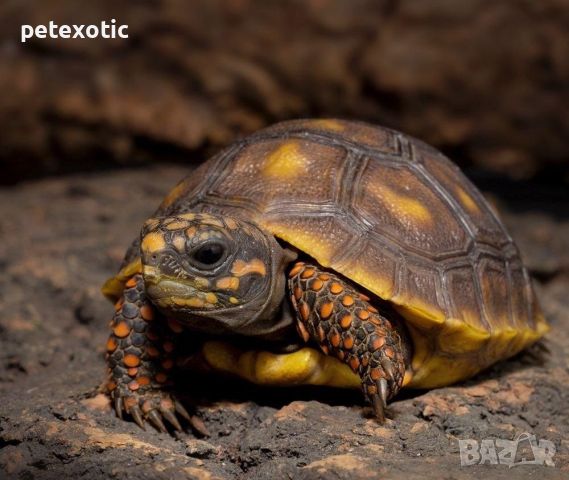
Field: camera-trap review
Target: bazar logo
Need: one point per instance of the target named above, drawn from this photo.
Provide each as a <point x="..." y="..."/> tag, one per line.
<point x="524" y="450"/>
<point x="53" y="30"/>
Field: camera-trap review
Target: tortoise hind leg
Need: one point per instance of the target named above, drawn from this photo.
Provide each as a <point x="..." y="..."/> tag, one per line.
<point x="140" y="356"/>
<point x="345" y="324"/>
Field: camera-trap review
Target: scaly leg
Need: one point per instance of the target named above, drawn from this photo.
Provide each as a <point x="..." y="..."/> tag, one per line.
<point x="140" y="356"/>
<point x="345" y="324"/>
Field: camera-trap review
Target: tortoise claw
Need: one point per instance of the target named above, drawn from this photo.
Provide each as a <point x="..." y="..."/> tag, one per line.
<point x="157" y="407"/>
<point x="182" y="411"/>
<point x="118" y="406"/>
<point x="136" y="414"/>
<point x="378" y="408"/>
<point x="387" y="368"/>
<point x="383" y="391"/>
<point x="171" y="417"/>
<point x="154" y="417"/>
<point x="199" y="426"/>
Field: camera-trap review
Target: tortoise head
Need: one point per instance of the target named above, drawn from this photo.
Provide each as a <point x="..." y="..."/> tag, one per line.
<point x="215" y="274"/>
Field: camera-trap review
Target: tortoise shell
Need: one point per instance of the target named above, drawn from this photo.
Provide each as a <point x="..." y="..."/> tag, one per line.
<point x="391" y="214"/>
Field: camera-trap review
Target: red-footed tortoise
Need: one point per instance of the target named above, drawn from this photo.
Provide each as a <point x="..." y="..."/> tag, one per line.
<point x="368" y="246"/>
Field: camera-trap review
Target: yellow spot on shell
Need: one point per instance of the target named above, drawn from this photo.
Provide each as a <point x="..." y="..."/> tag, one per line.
<point x="467" y="201"/>
<point x="187" y="216"/>
<point x="153" y="242"/>
<point x="403" y="205"/>
<point x="241" y="268"/>
<point x="228" y="283"/>
<point x="285" y="162"/>
<point x="233" y="300"/>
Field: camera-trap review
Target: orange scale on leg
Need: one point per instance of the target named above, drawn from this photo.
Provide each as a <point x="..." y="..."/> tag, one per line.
<point x="121" y="330"/>
<point x="336" y="288"/>
<point x="346" y="321"/>
<point x="297" y="268"/>
<point x="111" y="344"/>
<point x="142" y="381"/>
<point x="347" y="301"/>
<point x="309" y="272"/>
<point x="326" y="310"/>
<point x="354" y="363"/>
<point x="302" y="331"/>
<point x="304" y="311"/>
<point x="147" y="312"/>
<point x="375" y="374"/>
<point x="335" y="339"/>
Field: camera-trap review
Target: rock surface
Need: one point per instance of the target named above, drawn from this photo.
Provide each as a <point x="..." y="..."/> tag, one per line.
<point x="60" y="239"/>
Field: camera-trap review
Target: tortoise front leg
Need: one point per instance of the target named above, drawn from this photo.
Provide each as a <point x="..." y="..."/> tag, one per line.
<point x="345" y="324"/>
<point x="140" y="356"/>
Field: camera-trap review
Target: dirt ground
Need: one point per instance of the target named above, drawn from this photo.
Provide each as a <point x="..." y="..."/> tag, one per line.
<point x="61" y="238"/>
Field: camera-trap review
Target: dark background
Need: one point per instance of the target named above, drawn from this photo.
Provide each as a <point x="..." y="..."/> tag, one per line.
<point x="487" y="82"/>
<point x="93" y="134"/>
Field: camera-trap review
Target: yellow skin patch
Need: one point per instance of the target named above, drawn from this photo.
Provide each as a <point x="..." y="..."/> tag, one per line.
<point x="176" y="225"/>
<point x="227" y="283"/>
<point x="201" y="282"/>
<point x="180" y="243"/>
<point x="153" y="242"/>
<point x="285" y="162"/>
<point x="195" y="302"/>
<point x="231" y="224"/>
<point x="241" y="268"/>
<point x="211" y="298"/>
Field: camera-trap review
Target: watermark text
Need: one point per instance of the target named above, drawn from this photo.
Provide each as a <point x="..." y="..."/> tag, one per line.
<point x="53" y="30"/>
<point x="525" y="449"/>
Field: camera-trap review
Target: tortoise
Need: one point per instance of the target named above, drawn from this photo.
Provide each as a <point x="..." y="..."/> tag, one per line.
<point x="323" y="252"/>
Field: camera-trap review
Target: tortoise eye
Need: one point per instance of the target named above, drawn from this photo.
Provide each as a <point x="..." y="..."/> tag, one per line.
<point x="208" y="255"/>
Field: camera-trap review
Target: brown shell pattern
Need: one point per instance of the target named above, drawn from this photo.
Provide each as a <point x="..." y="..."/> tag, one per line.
<point x="393" y="215"/>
